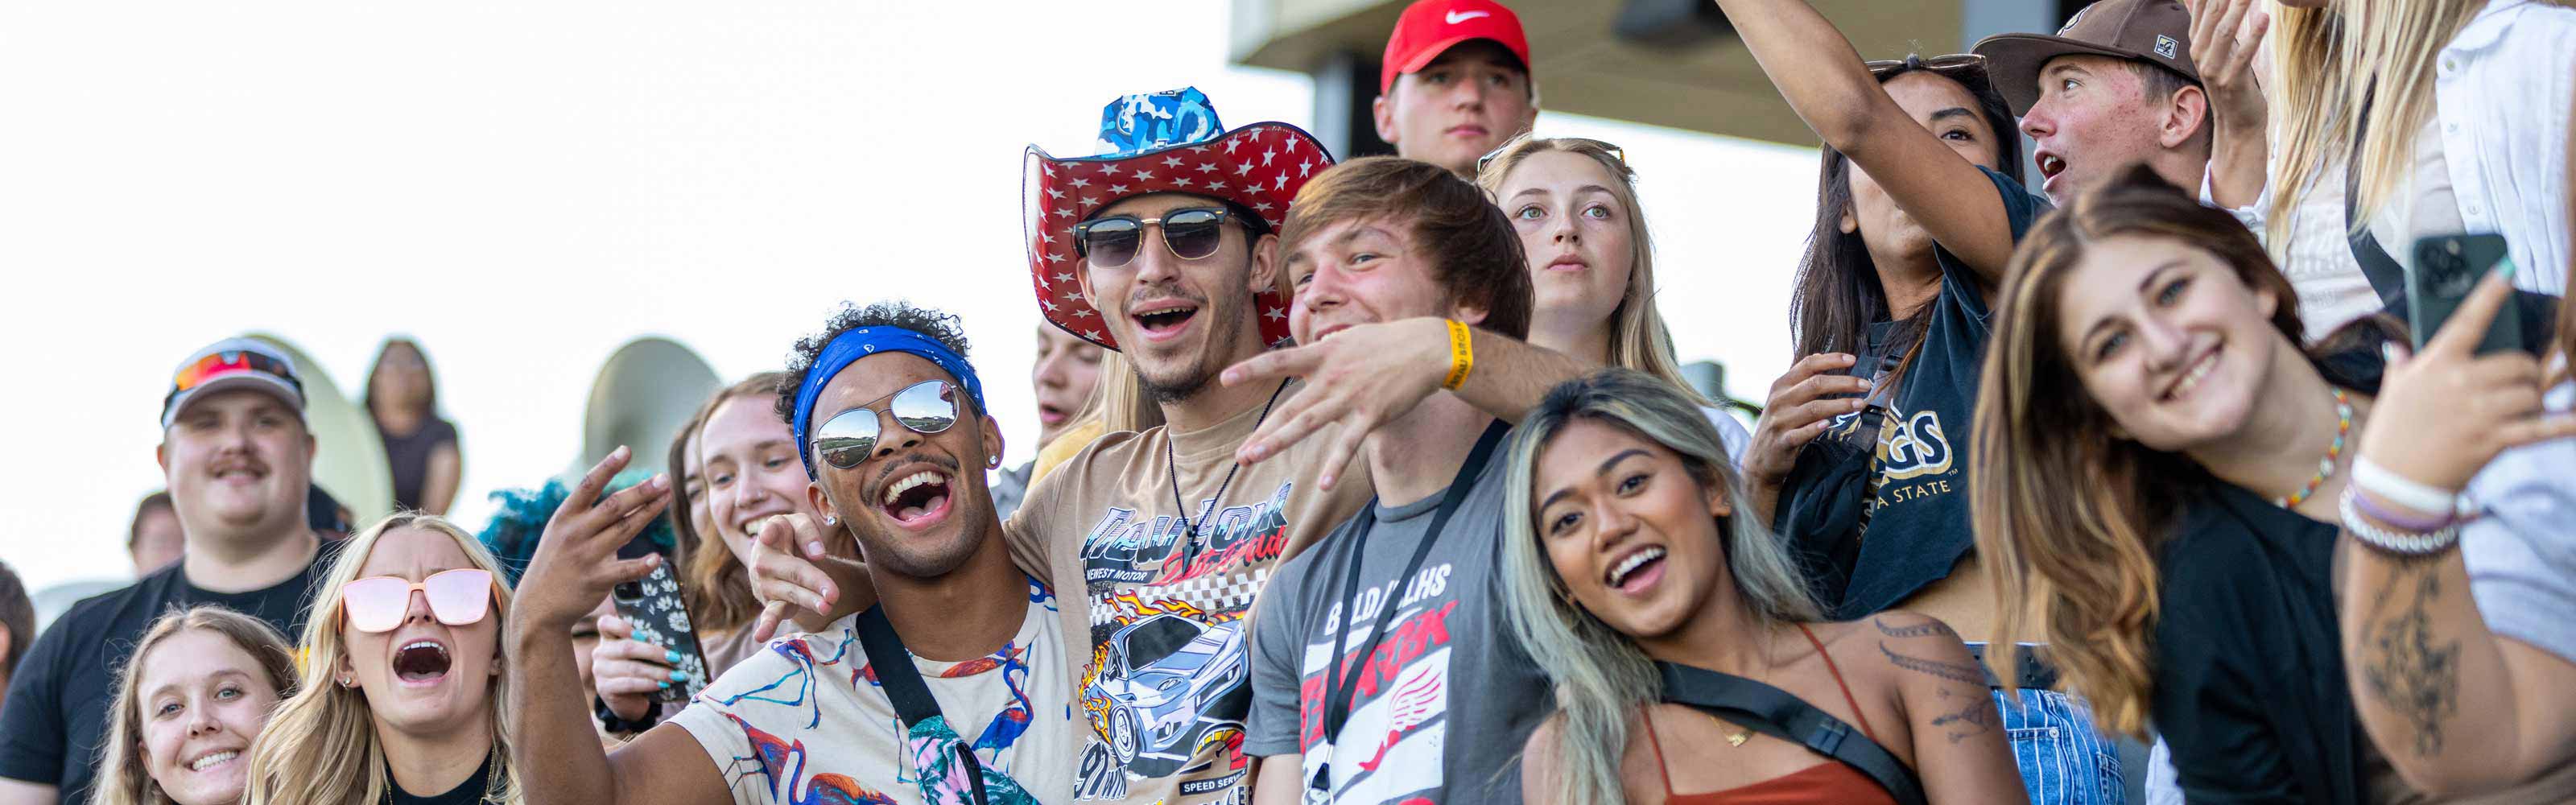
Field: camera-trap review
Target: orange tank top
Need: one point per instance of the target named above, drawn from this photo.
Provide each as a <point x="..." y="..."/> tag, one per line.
<point x="1828" y="783"/>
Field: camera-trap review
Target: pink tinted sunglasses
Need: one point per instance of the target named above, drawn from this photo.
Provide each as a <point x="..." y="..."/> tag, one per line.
<point x="456" y="598"/>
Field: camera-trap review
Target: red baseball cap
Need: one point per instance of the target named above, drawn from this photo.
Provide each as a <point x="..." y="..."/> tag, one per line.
<point x="1431" y="27"/>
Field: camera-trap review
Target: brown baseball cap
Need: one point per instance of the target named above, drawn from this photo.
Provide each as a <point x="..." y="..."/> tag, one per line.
<point x="2157" y="32"/>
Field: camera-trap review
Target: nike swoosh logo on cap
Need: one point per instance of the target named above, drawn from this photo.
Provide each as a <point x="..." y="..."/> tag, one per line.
<point x="1456" y="17"/>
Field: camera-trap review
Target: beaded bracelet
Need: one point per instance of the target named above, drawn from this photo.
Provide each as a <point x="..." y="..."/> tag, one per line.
<point x="2392" y="542"/>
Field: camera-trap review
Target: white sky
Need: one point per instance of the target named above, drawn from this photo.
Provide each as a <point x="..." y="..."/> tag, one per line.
<point x="524" y="186"/>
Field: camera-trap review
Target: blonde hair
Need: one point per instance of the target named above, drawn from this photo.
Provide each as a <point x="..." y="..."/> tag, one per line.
<point x="2325" y="61"/>
<point x="1601" y="676"/>
<point x="321" y="748"/>
<point x="123" y="778"/>
<point x="1638" y="337"/>
<point x="1119" y="402"/>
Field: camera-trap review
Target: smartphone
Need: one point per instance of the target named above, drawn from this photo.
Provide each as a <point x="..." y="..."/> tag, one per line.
<point x="2447" y="268"/>
<point x="654" y="607"/>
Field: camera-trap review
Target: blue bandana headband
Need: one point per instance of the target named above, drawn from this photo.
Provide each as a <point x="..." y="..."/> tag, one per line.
<point x="856" y="343"/>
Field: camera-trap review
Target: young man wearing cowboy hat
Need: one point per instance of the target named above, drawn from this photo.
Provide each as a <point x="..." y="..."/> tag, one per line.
<point x="1160" y="540"/>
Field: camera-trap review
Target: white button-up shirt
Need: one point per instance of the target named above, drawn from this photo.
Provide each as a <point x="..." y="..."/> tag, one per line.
<point x="2502" y="93"/>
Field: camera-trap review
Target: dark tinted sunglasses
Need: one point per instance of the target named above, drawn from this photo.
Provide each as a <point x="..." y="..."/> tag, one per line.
<point x="1190" y="232"/>
<point x="1953" y="63"/>
<point x="849" y="436"/>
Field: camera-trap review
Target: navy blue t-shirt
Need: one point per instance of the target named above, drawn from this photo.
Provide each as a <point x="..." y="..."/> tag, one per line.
<point x="1877" y="507"/>
<point x="56" y="714"/>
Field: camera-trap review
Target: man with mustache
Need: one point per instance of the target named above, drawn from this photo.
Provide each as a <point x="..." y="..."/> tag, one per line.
<point x="238" y="460"/>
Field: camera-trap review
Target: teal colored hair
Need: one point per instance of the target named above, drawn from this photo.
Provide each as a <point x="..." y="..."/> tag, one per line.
<point x="514" y="530"/>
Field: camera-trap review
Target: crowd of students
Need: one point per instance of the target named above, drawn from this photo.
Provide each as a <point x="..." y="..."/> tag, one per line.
<point x="1377" y="481"/>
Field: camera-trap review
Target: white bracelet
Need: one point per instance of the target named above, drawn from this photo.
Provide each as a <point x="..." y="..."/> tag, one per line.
<point x="2398" y="489"/>
<point x="2402" y="544"/>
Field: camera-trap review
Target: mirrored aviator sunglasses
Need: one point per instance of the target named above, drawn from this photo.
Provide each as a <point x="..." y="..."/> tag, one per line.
<point x="1190" y="232"/>
<point x="846" y="440"/>
<point x="456" y="597"/>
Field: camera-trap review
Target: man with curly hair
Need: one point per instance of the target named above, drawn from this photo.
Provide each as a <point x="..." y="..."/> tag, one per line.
<point x="951" y="686"/>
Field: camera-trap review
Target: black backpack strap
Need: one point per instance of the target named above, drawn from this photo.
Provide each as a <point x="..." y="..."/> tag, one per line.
<point x="2385" y="275"/>
<point x="1774" y="712"/>
<point x="903" y="686"/>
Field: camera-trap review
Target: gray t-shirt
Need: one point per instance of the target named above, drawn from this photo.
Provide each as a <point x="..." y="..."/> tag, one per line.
<point x="1448" y="668"/>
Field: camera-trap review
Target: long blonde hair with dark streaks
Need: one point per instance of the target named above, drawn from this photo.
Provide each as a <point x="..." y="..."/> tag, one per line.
<point x="1601" y="676"/>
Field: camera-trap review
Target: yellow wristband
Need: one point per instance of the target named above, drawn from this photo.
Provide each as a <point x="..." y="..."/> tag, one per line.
<point x="1462" y="355"/>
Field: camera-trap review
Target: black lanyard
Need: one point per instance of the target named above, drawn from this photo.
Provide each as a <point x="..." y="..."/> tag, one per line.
<point x="1339" y="690"/>
<point x="903" y="686"/>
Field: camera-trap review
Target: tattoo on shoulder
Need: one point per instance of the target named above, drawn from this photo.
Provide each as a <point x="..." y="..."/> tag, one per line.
<point x="1952" y="671"/>
<point x="1977" y="718"/>
<point x="2407" y="665"/>
<point x="1928" y="628"/>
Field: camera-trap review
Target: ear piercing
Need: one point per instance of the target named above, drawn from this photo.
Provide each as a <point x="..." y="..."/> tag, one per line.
<point x="831" y="520"/>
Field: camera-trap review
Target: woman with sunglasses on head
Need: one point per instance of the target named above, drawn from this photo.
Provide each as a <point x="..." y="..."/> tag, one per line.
<point x="401" y="691"/>
<point x="1859" y="459"/>
<point x="200" y="686"/>
<point x="1574" y="203"/>
<point x="1624" y="548"/>
<point x="2166" y="469"/>
<point x="750" y="475"/>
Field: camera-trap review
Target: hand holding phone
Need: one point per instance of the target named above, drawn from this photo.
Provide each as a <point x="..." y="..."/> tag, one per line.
<point x="2447" y="268"/>
<point x="2444" y="411"/>
<point x="661" y="631"/>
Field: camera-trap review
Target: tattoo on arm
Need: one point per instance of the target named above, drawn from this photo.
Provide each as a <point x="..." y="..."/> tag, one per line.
<point x="1977" y="718"/>
<point x="1952" y="671"/>
<point x="1928" y="628"/>
<point x="2408" y="666"/>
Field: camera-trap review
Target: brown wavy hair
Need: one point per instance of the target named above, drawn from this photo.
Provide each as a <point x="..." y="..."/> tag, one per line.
<point x="1474" y="253"/>
<point x="2067" y="513"/>
<point x="723" y="601"/>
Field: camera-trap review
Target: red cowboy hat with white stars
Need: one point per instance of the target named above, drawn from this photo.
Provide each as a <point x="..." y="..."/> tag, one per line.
<point x="1164" y="142"/>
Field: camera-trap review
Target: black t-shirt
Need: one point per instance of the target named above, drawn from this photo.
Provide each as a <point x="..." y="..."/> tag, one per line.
<point x="472" y="790"/>
<point x="2249" y="676"/>
<point x="1877" y="507"/>
<point x="56" y="714"/>
<point x="407" y="458"/>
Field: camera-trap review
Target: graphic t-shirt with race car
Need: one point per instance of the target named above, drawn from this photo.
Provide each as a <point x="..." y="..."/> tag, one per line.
<point x="1158" y="622"/>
